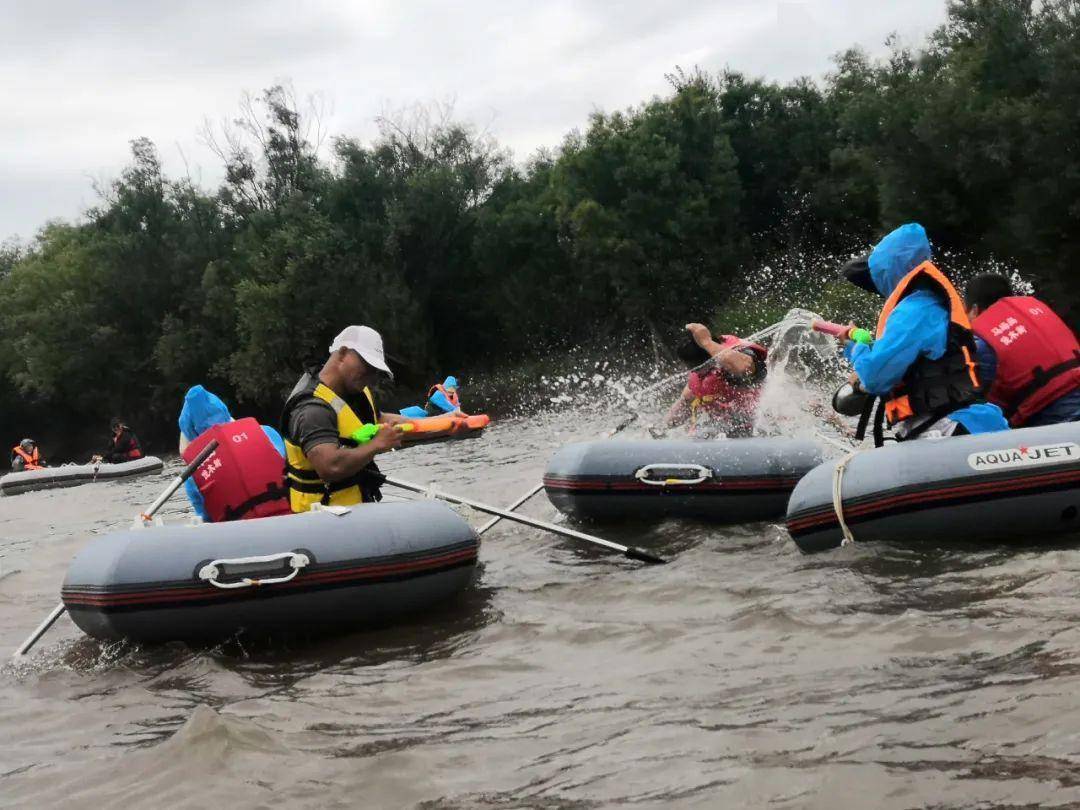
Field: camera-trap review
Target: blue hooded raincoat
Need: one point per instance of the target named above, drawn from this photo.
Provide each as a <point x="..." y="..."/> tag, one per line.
<point x="918" y="326"/>
<point x="201" y="411"/>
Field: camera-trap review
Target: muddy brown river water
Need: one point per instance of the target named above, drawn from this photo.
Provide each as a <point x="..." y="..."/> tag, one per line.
<point x="742" y="674"/>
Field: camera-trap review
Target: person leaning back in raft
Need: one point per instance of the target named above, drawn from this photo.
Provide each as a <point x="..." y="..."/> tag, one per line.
<point x="330" y="457"/>
<point x="921" y="363"/>
<point x="720" y="400"/>
<point x="443" y="399"/>
<point x="25" y="457"/>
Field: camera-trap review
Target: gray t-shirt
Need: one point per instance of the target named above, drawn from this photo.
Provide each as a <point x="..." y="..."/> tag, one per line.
<point x="312" y="423"/>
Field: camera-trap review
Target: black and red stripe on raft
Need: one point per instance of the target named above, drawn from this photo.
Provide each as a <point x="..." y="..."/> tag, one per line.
<point x="777" y="483"/>
<point x="343" y="574"/>
<point x="936" y="495"/>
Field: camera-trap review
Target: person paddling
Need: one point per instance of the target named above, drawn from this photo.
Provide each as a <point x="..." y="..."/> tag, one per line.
<point x="25" y="457"/>
<point x="720" y="400"/>
<point x="330" y="458"/>
<point x="1029" y="358"/>
<point x="124" y="445"/>
<point x="921" y="363"/>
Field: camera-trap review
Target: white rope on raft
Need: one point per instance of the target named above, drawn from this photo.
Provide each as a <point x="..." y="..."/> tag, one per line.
<point x="838" y="497"/>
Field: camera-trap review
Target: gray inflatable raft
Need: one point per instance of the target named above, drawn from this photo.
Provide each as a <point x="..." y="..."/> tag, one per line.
<point x="73" y="475"/>
<point x="1019" y="484"/>
<point x="293" y="574"/>
<point x="723" y="480"/>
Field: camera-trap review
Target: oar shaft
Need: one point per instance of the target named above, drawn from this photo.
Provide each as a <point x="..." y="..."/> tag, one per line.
<point x="180" y="479"/>
<point x="633" y="553"/>
<point x="511" y="507"/>
<point x="42" y="628"/>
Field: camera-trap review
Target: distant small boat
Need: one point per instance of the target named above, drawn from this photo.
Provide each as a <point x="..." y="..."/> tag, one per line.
<point x="73" y="475"/>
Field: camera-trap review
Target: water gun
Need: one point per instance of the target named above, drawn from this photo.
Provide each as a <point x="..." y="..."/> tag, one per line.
<point x="365" y="433"/>
<point x="838" y="330"/>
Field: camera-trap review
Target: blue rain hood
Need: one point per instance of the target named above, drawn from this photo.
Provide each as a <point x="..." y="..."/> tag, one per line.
<point x="202" y="410"/>
<point x="450" y="382"/>
<point x="896" y="255"/>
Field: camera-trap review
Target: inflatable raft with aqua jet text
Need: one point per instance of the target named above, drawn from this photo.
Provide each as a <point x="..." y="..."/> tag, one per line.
<point x="1015" y="484"/>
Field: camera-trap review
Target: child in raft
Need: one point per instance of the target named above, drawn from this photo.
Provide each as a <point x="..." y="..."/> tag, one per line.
<point x="443" y="399"/>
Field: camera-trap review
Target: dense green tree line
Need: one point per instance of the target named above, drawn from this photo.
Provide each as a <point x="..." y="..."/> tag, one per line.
<point x="463" y="259"/>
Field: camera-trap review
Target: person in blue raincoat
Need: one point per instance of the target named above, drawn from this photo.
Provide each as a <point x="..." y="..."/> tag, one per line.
<point x="921" y="365"/>
<point x="200" y="412"/>
<point x="443" y="399"/>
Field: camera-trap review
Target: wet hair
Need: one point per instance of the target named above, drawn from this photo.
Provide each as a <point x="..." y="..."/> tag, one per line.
<point x="986" y="289"/>
<point x="690" y="353"/>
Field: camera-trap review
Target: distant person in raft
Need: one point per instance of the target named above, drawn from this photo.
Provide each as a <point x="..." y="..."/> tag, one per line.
<point x="25" y="457"/>
<point x="921" y="363"/>
<point x="719" y="400"/>
<point x="443" y="398"/>
<point x="244" y="478"/>
<point x="124" y="445"/>
<point x="1029" y="359"/>
<point x="330" y="454"/>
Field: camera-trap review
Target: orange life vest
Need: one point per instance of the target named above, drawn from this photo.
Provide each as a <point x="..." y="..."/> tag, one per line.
<point x="32" y="461"/>
<point x="934" y="386"/>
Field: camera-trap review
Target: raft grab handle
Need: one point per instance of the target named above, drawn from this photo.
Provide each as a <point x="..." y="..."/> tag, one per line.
<point x="673" y="475"/>
<point x="241" y="566"/>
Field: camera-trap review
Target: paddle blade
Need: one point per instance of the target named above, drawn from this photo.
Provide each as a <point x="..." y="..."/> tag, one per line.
<point x="640" y="554"/>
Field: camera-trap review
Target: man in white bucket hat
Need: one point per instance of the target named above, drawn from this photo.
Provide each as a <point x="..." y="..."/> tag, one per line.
<point x="329" y="454"/>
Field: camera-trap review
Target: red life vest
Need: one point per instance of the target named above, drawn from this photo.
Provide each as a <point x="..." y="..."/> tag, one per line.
<point x="31" y="461"/>
<point x="244" y="477"/>
<point x="715" y="393"/>
<point x="134" y="451"/>
<point x="1038" y="356"/>
<point x="452" y="397"/>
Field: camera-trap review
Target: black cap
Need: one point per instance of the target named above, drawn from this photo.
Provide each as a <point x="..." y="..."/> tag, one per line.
<point x="857" y="271"/>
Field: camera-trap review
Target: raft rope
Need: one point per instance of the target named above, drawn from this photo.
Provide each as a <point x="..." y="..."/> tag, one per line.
<point x="838" y="497"/>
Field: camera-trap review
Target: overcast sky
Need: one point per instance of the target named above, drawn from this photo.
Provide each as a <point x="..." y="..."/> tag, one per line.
<point x="81" y="79"/>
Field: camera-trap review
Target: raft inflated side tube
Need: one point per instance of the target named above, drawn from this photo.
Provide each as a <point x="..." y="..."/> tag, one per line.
<point x="73" y="475"/>
<point x="995" y="486"/>
<point x="446" y="427"/>
<point x="291" y="574"/>
<point x="726" y="480"/>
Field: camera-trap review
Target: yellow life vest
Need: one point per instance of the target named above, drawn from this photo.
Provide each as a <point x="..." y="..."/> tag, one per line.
<point x="305" y="486"/>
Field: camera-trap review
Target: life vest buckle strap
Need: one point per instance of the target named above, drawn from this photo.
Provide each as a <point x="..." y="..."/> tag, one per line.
<point x="1040" y="378"/>
<point x="273" y="492"/>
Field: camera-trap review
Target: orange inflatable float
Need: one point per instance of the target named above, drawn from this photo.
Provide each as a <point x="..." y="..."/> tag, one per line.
<point x="432" y="428"/>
